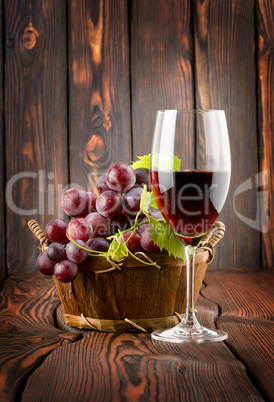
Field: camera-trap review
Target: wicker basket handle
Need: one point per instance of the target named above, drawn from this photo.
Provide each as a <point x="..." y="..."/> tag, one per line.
<point x="39" y="233"/>
<point x="208" y="242"/>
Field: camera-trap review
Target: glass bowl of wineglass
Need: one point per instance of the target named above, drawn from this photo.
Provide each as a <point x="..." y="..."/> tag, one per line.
<point x="190" y="176"/>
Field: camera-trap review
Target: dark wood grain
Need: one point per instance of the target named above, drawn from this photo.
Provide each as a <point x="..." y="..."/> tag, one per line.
<point x="99" y="101"/>
<point x="265" y="34"/>
<point x="246" y="303"/>
<point x="36" y="120"/>
<point x="2" y="280"/>
<point x="225" y="79"/>
<point x="128" y="367"/>
<point x="161" y="64"/>
<point x="2" y="156"/>
<point x="27" y="331"/>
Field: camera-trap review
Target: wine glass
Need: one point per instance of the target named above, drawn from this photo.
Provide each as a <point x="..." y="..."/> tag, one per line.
<point x="190" y="176"/>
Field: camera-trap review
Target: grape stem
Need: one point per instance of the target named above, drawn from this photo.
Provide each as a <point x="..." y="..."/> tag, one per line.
<point x="98" y="253"/>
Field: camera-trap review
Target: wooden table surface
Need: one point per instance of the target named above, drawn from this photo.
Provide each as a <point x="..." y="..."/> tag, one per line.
<point x="41" y="361"/>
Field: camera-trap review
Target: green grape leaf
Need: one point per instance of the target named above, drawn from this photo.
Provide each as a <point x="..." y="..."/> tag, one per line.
<point x="163" y="235"/>
<point x="117" y="250"/>
<point x="145" y="199"/>
<point x="142" y="163"/>
<point x="167" y="162"/>
<point x="176" y="163"/>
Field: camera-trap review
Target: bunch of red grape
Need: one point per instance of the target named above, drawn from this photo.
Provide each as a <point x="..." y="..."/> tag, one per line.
<point x="96" y="217"/>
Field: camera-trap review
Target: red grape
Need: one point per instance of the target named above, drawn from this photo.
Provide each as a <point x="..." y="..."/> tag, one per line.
<point x="120" y="177"/>
<point x="75" y="253"/>
<point x="56" y="231"/>
<point x="131" y="201"/>
<point x="155" y="213"/>
<point x="121" y="222"/>
<point x="44" y="265"/>
<point x="65" y="271"/>
<point x="75" y="202"/>
<point x="109" y="204"/>
<point x="146" y="243"/>
<point x="133" y="241"/>
<point x="143" y="177"/>
<point x="79" y="228"/>
<point x="98" y="223"/>
<point x="98" y="244"/>
<point x="101" y="184"/>
<point x="141" y="219"/>
<point x="56" y="252"/>
<point x="92" y="199"/>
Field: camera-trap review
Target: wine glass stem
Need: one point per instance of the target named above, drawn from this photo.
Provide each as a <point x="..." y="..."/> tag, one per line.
<point x="190" y="318"/>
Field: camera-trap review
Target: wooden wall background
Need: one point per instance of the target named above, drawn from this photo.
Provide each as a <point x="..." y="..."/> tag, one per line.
<point x="81" y="81"/>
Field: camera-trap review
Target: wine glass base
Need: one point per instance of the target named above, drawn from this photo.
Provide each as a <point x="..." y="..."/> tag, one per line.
<point x="180" y="334"/>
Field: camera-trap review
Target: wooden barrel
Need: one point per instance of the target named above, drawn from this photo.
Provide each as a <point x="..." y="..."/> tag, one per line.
<point x="131" y="296"/>
<point x="136" y="296"/>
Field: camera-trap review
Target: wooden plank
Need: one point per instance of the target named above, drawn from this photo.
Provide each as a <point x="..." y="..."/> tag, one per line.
<point x="35" y="118"/>
<point x="99" y="101"/>
<point x="246" y="303"/>
<point x="161" y="64"/>
<point x="2" y="158"/>
<point x="27" y="330"/>
<point x="105" y="366"/>
<point x="225" y="79"/>
<point x="265" y="35"/>
<point x="251" y="341"/>
<point x="255" y="299"/>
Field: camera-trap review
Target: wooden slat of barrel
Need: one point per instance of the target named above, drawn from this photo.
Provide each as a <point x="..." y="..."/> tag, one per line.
<point x="35" y="121"/>
<point x="265" y="29"/>
<point x="246" y="304"/>
<point x="106" y="366"/>
<point x="225" y="79"/>
<point x="27" y="331"/>
<point x="99" y="99"/>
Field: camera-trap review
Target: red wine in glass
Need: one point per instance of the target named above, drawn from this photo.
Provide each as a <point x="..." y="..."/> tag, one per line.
<point x="190" y="200"/>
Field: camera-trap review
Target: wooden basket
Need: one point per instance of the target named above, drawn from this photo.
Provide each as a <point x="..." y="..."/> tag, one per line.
<point x="131" y="296"/>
